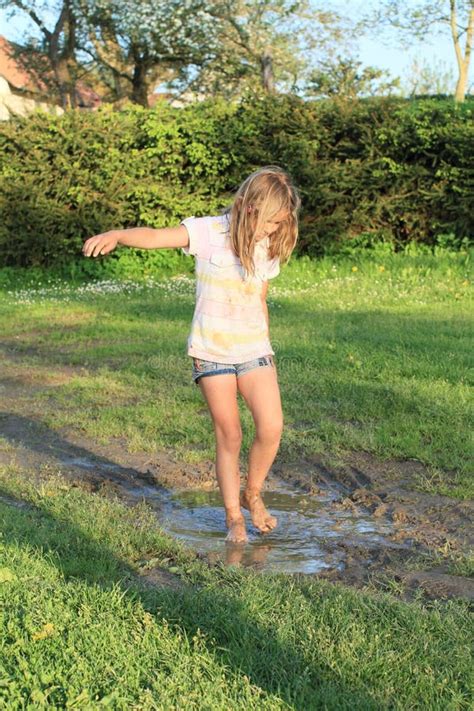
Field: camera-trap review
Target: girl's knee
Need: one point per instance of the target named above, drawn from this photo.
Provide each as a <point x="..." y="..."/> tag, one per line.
<point x="270" y="431"/>
<point x="230" y="436"/>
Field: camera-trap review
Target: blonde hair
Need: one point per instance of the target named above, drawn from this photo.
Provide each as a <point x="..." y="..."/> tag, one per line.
<point x="263" y="194"/>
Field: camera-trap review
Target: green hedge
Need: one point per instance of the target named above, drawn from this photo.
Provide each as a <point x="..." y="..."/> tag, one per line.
<point x="378" y="169"/>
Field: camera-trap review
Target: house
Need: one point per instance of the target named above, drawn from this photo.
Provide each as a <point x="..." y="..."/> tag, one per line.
<point x="22" y="92"/>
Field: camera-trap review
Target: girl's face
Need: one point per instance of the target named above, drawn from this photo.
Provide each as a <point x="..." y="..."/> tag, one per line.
<point x="270" y="227"/>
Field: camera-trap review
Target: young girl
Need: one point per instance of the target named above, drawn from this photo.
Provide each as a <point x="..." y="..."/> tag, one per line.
<point x="236" y="253"/>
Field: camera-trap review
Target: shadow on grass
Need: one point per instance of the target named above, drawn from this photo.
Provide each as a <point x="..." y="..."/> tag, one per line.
<point x="222" y="613"/>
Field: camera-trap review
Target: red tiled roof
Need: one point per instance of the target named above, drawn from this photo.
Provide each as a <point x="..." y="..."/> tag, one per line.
<point x="20" y="78"/>
<point x="12" y="70"/>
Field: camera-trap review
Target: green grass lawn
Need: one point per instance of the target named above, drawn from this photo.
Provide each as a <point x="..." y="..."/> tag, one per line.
<point x="79" y="629"/>
<point x="373" y="353"/>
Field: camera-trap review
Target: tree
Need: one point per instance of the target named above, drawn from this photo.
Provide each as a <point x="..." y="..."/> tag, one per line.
<point x="347" y="78"/>
<point x="414" y="19"/>
<point x="51" y="60"/>
<point x="137" y="44"/>
<point x="424" y="78"/>
<point x="263" y="45"/>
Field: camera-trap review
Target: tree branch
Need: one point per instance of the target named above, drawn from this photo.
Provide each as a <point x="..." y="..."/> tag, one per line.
<point x="37" y="20"/>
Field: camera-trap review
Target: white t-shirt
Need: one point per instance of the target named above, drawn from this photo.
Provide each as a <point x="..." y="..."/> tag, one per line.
<point x="229" y="324"/>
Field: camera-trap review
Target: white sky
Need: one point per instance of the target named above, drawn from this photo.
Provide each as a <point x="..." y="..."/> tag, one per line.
<point x="383" y="51"/>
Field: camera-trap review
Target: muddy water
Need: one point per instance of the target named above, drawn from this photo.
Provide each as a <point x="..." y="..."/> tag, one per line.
<point x="307" y="539"/>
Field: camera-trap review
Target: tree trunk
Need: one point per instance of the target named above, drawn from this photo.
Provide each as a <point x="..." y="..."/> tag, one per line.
<point x="266" y="63"/>
<point x="463" y="61"/>
<point x="461" y="85"/>
<point x="63" y="81"/>
<point x="140" y="84"/>
<point x="60" y="58"/>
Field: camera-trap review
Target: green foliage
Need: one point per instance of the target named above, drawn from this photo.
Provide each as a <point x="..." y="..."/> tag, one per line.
<point x="400" y="170"/>
<point x="348" y="78"/>
<point x="395" y="169"/>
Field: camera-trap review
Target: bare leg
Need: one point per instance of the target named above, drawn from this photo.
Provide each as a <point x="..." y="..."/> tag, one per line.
<point x="261" y="456"/>
<point x="228" y="477"/>
<point x="220" y="393"/>
<point x="259" y="387"/>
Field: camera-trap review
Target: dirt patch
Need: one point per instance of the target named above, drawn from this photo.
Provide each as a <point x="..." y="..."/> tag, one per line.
<point x="430" y="525"/>
<point x="436" y="584"/>
<point x="423" y="524"/>
<point x="32" y="445"/>
<point x="29" y="443"/>
<point x="382" y="487"/>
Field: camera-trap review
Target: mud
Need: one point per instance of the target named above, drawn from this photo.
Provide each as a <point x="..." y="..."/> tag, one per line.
<point x="382" y="487"/>
<point x="418" y="527"/>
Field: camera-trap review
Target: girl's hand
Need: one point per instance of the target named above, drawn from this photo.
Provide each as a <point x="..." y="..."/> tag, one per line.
<point x="100" y="244"/>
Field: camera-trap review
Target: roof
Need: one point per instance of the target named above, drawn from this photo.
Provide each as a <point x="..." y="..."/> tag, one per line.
<point x="22" y="80"/>
<point x="11" y="69"/>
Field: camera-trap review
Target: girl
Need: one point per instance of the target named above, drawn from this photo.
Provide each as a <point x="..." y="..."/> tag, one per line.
<point x="236" y="253"/>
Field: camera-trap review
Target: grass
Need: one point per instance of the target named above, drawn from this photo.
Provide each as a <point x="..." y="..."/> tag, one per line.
<point x="373" y="353"/>
<point x="80" y="629"/>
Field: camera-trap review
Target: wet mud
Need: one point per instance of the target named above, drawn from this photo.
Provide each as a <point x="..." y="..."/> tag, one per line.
<point x="360" y="522"/>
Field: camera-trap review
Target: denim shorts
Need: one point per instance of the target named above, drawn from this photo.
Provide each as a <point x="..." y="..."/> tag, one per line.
<point x="210" y="367"/>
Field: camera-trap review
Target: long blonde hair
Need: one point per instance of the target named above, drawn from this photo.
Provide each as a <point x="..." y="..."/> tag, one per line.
<point x="263" y="194"/>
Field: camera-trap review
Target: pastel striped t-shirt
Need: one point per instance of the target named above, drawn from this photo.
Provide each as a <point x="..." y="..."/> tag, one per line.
<point x="229" y="324"/>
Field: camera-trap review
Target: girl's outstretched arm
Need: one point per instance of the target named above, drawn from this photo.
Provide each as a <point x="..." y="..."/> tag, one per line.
<point x="139" y="237"/>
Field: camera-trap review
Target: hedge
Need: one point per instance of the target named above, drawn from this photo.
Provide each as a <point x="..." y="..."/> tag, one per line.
<point x="395" y="169"/>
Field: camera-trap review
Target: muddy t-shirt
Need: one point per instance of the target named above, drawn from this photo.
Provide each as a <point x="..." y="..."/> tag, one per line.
<point x="229" y="324"/>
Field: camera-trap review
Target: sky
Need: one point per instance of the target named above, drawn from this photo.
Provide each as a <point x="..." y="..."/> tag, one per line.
<point x="387" y="53"/>
<point x="383" y="51"/>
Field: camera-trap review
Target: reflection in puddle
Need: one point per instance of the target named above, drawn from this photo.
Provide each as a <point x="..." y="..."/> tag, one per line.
<point x="306" y="539"/>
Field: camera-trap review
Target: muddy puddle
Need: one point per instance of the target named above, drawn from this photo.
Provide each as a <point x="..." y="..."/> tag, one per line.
<point x="322" y="530"/>
<point x="314" y="533"/>
<point x="307" y="539"/>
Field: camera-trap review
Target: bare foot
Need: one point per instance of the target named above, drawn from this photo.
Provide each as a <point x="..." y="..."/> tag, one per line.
<point x="261" y="519"/>
<point x="237" y="531"/>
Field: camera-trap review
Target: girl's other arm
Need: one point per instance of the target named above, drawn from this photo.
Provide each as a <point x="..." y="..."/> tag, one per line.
<point x="139" y="237"/>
